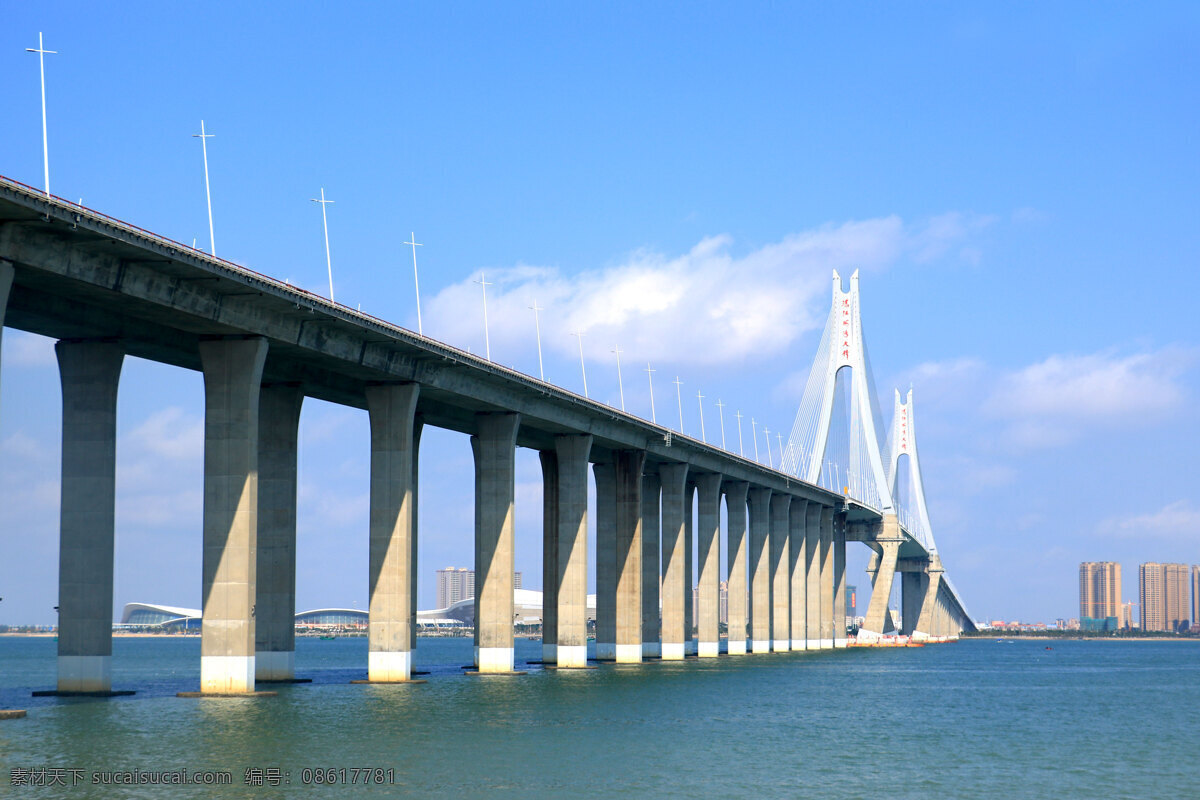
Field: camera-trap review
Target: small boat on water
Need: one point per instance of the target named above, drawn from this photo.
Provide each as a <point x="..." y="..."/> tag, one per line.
<point x="327" y="637"/>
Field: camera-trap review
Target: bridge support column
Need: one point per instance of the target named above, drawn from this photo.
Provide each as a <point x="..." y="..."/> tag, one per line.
<point x="781" y="588"/>
<point x="392" y="617"/>
<point x="629" y="556"/>
<point x="606" y="561"/>
<point x="90" y="372"/>
<point x="232" y="385"/>
<point x="6" y="278"/>
<point x="839" y="580"/>
<point x="708" y="524"/>
<point x="812" y="559"/>
<point x="651" y="582"/>
<point x="760" y="570"/>
<point x="826" y="578"/>
<point x="887" y="551"/>
<point x="275" y="604"/>
<point x="674" y="483"/>
<point x="689" y="569"/>
<point x="570" y="565"/>
<point x="924" y="625"/>
<point x="912" y="595"/>
<point x="494" y="446"/>
<point x="797" y="573"/>
<point x="550" y="497"/>
<point x="735" y="520"/>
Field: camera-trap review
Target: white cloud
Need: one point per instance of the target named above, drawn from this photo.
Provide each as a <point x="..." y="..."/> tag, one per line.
<point x="21" y="349"/>
<point x="706" y="306"/>
<point x="171" y="433"/>
<point x="1101" y="387"/>
<point x="1178" y="520"/>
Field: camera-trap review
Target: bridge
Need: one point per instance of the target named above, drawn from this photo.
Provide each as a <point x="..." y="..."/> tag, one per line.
<point x="105" y="289"/>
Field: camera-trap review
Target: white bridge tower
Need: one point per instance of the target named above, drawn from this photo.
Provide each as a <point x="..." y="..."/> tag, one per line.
<point x="842" y="345"/>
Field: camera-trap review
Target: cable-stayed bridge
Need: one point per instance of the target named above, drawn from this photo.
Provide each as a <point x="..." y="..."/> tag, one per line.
<point x="105" y="289"/>
<point x="838" y="442"/>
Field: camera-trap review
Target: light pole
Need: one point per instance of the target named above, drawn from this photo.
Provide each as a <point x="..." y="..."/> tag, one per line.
<point x="700" y="400"/>
<point x="42" y="52"/>
<point x="582" y="368"/>
<point x="487" y="342"/>
<point x="739" y="419"/>
<point x="754" y="436"/>
<point x="416" y="282"/>
<point x="721" y="412"/>
<point x="537" y="325"/>
<point x="679" y="399"/>
<point x="767" y="436"/>
<point x="204" y="137"/>
<point x="650" y="375"/>
<point x="620" y="385"/>
<point x="779" y="440"/>
<point x="325" y="223"/>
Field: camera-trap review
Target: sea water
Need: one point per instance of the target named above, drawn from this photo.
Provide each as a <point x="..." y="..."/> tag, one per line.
<point x="974" y="719"/>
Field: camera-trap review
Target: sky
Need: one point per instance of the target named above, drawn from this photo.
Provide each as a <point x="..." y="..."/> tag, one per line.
<point x="1016" y="185"/>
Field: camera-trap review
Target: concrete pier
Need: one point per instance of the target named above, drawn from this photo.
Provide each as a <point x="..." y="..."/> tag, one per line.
<point x="674" y="482"/>
<point x="393" y="562"/>
<point x="6" y="278"/>
<point x="930" y="622"/>
<point x="812" y="558"/>
<point x="651" y="577"/>
<point x="736" y="547"/>
<point x="912" y="594"/>
<point x="606" y="560"/>
<point x="839" y="580"/>
<point x="827" y="610"/>
<point x="689" y="568"/>
<point x="798" y="573"/>
<point x="887" y="548"/>
<point x="494" y="446"/>
<point x="708" y="530"/>
<point x="232" y="386"/>
<point x="550" y="492"/>
<point x="781" y="584"/>
<point x="760" y="570"/>
<point x="628" y="556"/>
<point x="572" y="453"/>
<point x="275" y="606"/>
<point x="89" y="372"/>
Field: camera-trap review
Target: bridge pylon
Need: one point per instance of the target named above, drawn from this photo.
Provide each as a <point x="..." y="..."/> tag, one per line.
<point x="864" y="477"/>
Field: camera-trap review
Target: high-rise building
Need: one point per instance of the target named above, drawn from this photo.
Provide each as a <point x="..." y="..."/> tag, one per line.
<point x="1099" y="590"/>
<point x="1164" y="601"/>
<point x="1127" y="620"/>
<point x="1195" y="595"/>
<point x="458" y="583"/>
<point x="454" y="584"/>
<point x="722" y="604"/>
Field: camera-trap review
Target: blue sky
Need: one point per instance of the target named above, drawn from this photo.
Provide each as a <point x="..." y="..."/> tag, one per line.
<point x="1016" y="184"/>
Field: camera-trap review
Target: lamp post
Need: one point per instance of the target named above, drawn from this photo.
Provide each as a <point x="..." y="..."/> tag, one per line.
<point x="212" y="241"/>
<point x="650" y="376"/>
<point x="679" y="399"/>
<point x="487" y="342"/>
<point x="42" y="53"/>
<point x="700" y="400"/>
<point x="537" y="325"/>
<point x="620" y="385"/>
<point x="416" y="282"/>
<point x="754" y="436"/>
<point x="721" y="412"/>
<point x="582" y="368"/>
<point x="739" y="419"/>
<point x="767" y="436"/>
<point x="325" y="223"/>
